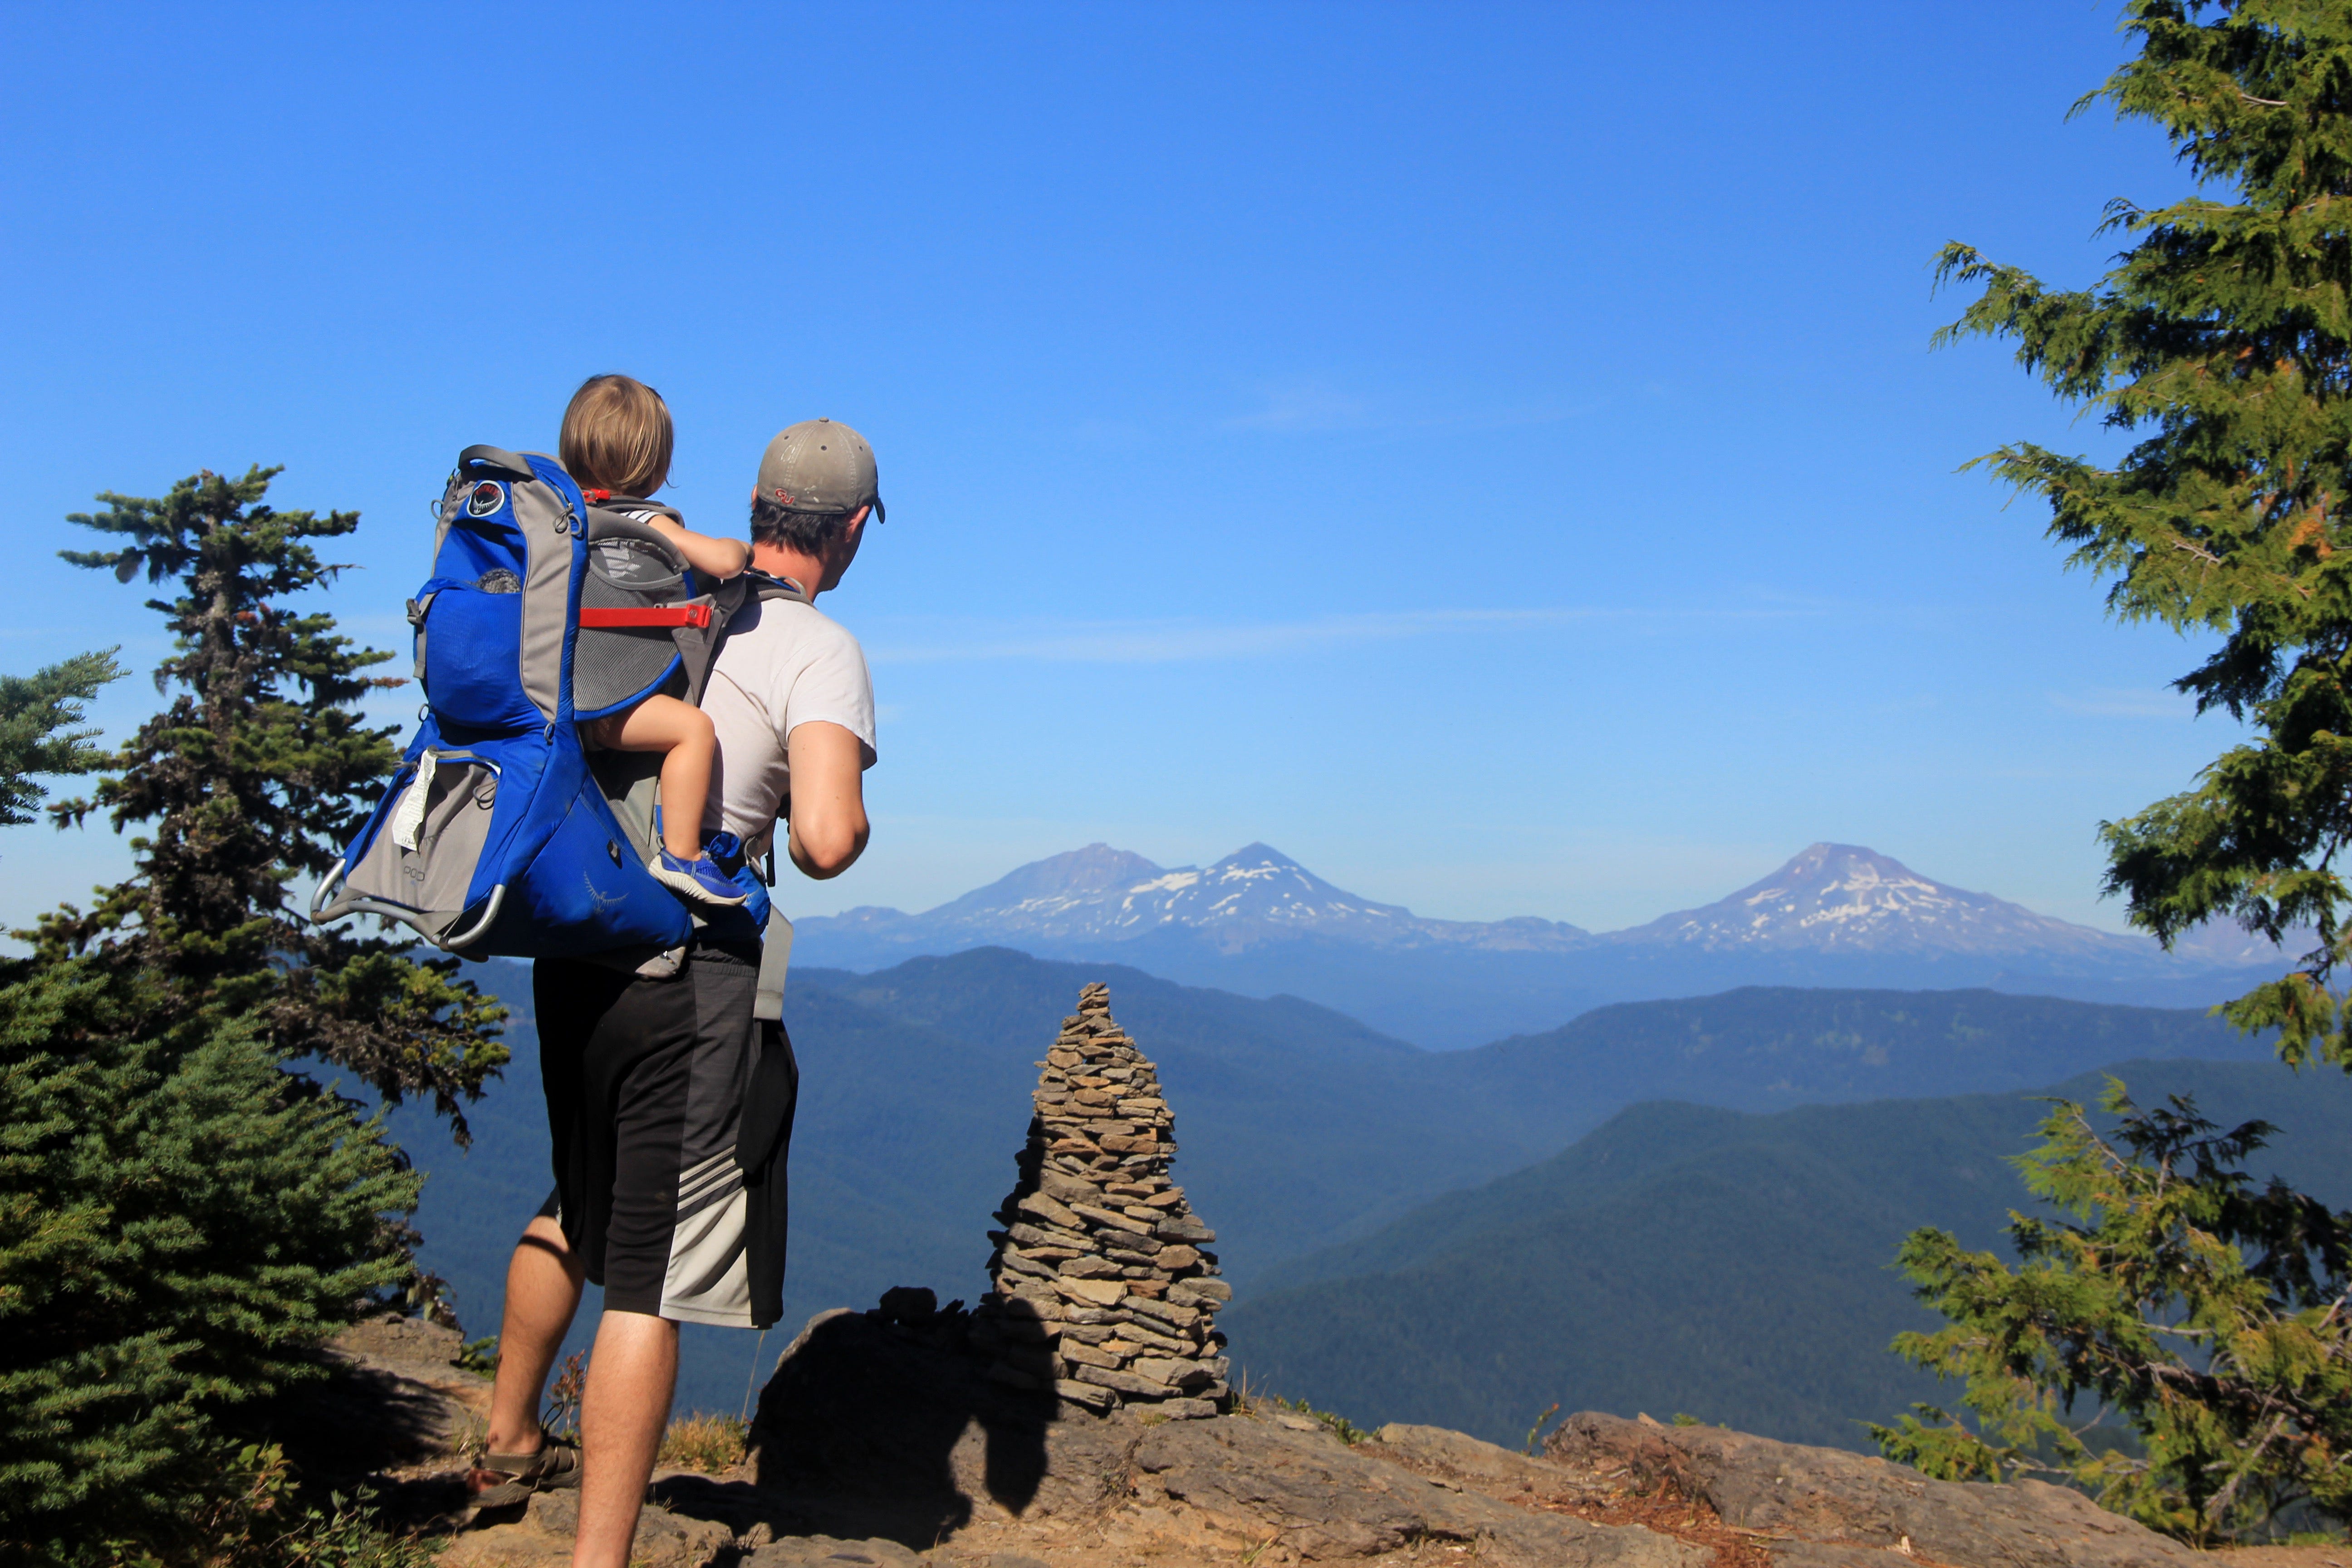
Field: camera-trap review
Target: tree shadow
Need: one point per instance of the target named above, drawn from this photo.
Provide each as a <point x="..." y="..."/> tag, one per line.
<point x="386" y="1410"/>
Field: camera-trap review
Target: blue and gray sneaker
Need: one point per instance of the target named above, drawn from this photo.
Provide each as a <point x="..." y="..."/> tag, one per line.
<point x="698" y="879"/>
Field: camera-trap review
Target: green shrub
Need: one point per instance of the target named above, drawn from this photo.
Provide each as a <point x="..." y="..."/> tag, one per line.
<point x="180" y="1221"/>
<point x="248" y="1515"/>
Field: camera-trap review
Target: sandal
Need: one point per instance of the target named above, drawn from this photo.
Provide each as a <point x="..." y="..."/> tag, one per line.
<point x="503" y="1478"/>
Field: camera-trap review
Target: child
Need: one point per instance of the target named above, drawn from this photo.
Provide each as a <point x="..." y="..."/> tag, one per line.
<point x="617" y="440"/>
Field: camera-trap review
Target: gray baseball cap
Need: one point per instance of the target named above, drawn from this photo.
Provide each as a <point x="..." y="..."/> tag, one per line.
<point x="820" y="466"/>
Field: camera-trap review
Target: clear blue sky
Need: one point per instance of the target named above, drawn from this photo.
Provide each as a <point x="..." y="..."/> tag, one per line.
<point x="1490" y="453"/>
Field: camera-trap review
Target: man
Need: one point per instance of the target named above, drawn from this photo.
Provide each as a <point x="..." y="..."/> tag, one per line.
<point x="669" y="1101"/>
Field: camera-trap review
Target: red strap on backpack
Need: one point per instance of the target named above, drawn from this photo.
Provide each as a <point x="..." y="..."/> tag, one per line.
<point x="652" y="615"/>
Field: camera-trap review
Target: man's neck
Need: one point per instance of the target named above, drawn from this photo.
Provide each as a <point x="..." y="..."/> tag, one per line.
<point x="780" y="561"/>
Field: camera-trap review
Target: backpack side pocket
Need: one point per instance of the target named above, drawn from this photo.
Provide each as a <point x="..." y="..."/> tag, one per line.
<point x="470" y="646"/>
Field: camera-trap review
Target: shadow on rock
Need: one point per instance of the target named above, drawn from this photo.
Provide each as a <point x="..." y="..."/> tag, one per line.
<point x="392" y="1412"/>
<point x="884" y="1424"/>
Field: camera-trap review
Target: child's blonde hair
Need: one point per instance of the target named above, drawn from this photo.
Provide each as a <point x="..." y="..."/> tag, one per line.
<point x="617" y="436"/>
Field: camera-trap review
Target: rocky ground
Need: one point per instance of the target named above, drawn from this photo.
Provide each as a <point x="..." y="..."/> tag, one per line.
<point x="397" y="1415"/>
<point x="882" y="1440"/>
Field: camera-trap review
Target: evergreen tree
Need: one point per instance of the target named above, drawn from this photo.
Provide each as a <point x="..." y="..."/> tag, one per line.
<point x="2222" y="340"/>
<point x="259" y="770"/>
<point x="180" y="1222"/>
<point x="2180" y="1302"/>
<point x="2208" y="1317"/>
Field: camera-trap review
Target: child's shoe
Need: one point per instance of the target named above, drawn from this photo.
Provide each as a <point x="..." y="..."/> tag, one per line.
<point x="698" y="879"/>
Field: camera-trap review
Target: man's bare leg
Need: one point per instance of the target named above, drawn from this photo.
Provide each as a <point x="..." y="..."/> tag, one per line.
<point x="631" y="1376"/>
<point x="543" y="1281"/>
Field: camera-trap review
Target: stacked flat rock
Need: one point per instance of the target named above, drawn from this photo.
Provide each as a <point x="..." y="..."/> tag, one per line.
<point x="1104" y="1290"/>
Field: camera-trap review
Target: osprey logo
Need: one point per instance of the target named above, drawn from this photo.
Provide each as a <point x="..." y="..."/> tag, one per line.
<point x="602" y="900"/>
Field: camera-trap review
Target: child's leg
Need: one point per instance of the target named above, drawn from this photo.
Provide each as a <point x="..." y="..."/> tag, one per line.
<point x="682" y="731"/>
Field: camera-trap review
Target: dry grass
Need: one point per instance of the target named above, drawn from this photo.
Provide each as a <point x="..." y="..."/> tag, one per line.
<point x="706" y="1443"/>
<point x="1684" y="1520"/>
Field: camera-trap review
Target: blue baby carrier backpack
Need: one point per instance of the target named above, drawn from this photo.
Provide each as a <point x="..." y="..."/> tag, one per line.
<point x="499" y="837"/>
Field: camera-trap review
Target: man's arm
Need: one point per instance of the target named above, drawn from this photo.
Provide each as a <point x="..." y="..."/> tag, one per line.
<point x="828" y="807"/>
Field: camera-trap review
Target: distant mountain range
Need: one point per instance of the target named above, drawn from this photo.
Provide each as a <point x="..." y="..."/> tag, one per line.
<point x="1100" y="896"/>
<point x="1685" y="1260"/>
<point x="1258" y="922"/>
<point x="1298" y="1126"/>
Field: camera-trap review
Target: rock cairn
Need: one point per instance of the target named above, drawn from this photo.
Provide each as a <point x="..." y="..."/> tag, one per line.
<point x="1104" y="1292"/>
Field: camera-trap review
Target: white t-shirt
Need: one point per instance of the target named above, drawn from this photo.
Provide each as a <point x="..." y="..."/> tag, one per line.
<point x="783" y="664"/>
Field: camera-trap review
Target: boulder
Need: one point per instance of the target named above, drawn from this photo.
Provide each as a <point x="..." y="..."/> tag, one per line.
<point x="1261" y="1481"/>
<point x="1479" y="1467"/>
<point x="1824" y="1508"/>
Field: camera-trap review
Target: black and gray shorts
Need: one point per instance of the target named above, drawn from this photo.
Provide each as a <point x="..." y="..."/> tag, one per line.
<point x="671" y="1109"/>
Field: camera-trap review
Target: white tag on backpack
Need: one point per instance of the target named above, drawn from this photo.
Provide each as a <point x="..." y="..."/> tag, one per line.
<point x="408" y="817"/>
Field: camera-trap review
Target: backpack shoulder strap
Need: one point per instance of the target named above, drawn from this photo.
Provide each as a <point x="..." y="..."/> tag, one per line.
<point x="754" y="585"/>
<point x="700" y="645"/>
<point x="776" y="943"/>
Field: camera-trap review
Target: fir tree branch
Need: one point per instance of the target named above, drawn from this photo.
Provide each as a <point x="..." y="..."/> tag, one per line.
<point x="37" y="715"/>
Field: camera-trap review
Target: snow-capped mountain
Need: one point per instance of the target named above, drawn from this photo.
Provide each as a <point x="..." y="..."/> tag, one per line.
<point x="1831" y="899"/>
<point x="1842" y="899"/>
<point x="1258" y="922"/>
<point x="1254" y="895"/>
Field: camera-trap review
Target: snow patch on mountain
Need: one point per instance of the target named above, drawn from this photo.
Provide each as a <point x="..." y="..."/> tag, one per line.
<point x="1256" y="894"/>
<point x="1830" y="900"/>
<point x="1842" y="897"/>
